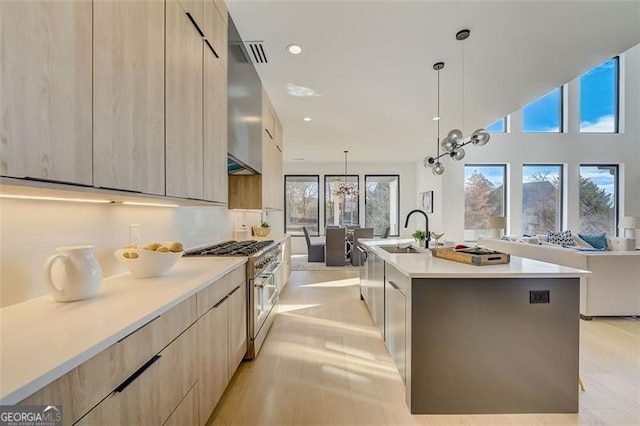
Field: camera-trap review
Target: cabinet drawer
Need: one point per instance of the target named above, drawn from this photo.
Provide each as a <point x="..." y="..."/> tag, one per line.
<point x="187" y="413"/>
<point x="218" y="289"/>
<point x="86" y="385"/>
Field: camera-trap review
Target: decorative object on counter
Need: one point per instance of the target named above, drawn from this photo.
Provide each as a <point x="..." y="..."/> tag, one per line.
<point x="152" y="260"/>
<point x="427" y="201"/>
<point x="420" y="236"/>
<point x="81" y="277"/>
<point x="477" y="256"/>
<point x="631" y="223"/>
<point x="453" y="144"/>
<point x="497" y="224"/>
<point x="437" y="237"/>
<point x="262" y="230"/>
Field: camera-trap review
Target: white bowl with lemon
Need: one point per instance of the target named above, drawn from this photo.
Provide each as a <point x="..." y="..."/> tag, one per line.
<point x="151" y="260"/>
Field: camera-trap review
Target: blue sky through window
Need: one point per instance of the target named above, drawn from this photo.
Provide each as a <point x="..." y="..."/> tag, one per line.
<point x="599" y="98"/>
<point x="601" y="177"/>
<point x="495" y="174"/>
<point x="544" y="114"/>
<point x="498" y="127"/>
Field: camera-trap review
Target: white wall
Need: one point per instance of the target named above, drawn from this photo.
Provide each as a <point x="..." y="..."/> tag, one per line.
<point x="30" y="231"/>
<point x="408" y="194"/>
<point x="571" y="149"/>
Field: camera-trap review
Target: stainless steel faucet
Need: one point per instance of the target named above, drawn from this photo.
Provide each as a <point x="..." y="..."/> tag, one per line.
<point x="426" y="219"/>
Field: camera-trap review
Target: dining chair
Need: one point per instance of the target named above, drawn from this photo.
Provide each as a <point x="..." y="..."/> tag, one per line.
<point x="334" y="247"/>
<point x="357" y="234"/>
<point x="315" y="251"/>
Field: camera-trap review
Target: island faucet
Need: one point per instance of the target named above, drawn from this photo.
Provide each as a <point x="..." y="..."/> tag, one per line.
<point x="426" y="218"/>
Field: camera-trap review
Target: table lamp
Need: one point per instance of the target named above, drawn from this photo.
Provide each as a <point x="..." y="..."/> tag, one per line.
<point x="632" y="223"/>
<point x="496" y="224"/>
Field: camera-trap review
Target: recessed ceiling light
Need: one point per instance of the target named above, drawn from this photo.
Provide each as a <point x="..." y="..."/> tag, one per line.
<point x="294" y="49"/>
<point x="306" y="119"/>
<point x="436" y="118"/>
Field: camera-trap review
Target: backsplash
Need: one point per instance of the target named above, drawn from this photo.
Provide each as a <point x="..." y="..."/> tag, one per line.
<point x="30" y="230"/>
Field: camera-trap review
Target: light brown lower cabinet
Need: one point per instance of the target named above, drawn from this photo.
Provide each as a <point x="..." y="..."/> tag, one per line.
<point x="152" y="393"/>
<point x="222" y="333"/>
<point x="187" y="413"/>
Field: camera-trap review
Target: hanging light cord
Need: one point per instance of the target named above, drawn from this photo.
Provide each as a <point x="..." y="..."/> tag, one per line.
<point x="438" y="123"/>
<point x="345" y="168"/>
<point x="463" y="128"/>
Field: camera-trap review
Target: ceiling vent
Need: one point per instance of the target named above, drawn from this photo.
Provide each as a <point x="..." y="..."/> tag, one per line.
<point x="258" y="51"/>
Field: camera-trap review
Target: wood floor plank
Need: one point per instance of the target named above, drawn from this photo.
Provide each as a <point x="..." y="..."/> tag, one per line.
<point x="324" y="363"/>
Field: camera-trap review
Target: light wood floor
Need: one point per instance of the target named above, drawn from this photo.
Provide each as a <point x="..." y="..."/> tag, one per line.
<point x="324" y="363"/>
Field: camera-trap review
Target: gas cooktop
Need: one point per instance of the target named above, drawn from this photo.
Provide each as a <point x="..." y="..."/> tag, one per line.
<point x="231" y="248"/>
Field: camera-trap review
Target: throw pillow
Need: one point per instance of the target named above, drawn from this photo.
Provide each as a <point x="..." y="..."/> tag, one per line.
<point x="580" y="243"/>
<point x="598" y="241"/>
<point x="563" y="238"/>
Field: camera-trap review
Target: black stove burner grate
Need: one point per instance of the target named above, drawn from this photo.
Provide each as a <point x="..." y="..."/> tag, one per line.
<point x="231" y="248"/>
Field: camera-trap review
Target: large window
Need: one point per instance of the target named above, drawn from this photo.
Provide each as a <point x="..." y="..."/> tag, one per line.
<point x="340" y="209"/>
<point x="301" y="204"/>
<point x="598" y="199"/>
<point x="599" y="98"/>
<point x="499" y="126"/>
<point x="382" y="203"/>
<point x="484" y="196"/>
<point x="541" y="198"/>
<point x="544" y="114"/>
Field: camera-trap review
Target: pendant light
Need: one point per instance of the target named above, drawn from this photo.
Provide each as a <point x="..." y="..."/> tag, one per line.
<point x="453" y="143"/>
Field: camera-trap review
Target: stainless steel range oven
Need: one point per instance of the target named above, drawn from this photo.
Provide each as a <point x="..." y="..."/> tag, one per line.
<point x="263" y="267"/>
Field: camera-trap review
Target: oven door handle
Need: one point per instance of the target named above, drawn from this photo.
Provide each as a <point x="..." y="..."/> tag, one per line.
<point x="263" y="282"/>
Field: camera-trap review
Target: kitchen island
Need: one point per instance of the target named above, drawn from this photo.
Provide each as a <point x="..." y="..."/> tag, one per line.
<point x="477" y="339"/>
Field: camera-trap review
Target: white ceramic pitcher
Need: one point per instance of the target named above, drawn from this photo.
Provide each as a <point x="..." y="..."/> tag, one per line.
<point x="82" y="274"/>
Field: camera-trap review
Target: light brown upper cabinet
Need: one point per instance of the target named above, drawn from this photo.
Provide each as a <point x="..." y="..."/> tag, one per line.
<point x="128" y="101"/>
<point x="184" y="105"/>
<point x="215" y="128"/>
<point x="45" y="90"/>
<point x="215" y="30"/>
<point x="278" y="134"/>
<point x="268" y="116"/>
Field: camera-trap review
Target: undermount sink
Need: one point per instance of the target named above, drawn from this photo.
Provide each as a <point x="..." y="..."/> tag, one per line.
<point x="399" y="250"/>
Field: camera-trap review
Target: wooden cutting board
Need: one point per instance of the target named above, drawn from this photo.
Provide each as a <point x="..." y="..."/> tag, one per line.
<point x="477" y="256"/>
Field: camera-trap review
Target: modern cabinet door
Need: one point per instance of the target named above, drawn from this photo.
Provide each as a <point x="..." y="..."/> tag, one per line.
<point x="396" y="325"/>
<point x="45" y="90"/>
<point x="195" y="8"/>
<point x="128" y="95"/>
<point x="278" y="180"/>
<point x="184" y="106"/>
<point x="376" y="293"/>
<point x="237" y="322"/>
<point x="277" y="137"/>
<point x="214" y="357"/>
<point x="215" y="127"/>
<point x="187" y="413"/>
<point x="215" y="30"/>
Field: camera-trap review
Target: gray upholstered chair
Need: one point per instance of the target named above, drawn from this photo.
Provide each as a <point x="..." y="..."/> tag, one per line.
<point x="334" y="248"/>
<point x="315" y="251"/>
<point x="386" y="232"/>
<point x="357" y="234"/>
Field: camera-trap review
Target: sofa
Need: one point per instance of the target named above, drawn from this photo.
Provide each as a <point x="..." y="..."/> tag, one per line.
<point x="612" y="288"/>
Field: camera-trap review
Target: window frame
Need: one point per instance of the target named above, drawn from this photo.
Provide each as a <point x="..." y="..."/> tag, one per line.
<point x="561" y="112"/>
<point x="505" y="199"/>
<point x="324" y="190"/>
<point x="560" y="195"/>
<point x="285" y="202"/>
<point x="616" y="104"/>
<point x="504" y="125"/>
<point x="397" y="206"/>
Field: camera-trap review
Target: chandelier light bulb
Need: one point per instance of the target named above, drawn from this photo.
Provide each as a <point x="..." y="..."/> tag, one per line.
<point x="438" y="169"/>
<point x="448" y="144"/>
<point x="458" y="154"/>
<point x="428" y="162"/>
<point x="480" y="137"/>
<point x="455" y="134"/>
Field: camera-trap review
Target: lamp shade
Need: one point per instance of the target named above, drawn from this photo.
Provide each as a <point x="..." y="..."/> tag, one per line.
<point x="497" y="222"/>
<point x="630" y="222"/>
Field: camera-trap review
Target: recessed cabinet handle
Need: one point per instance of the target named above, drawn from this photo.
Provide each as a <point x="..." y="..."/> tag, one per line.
<point x="221" y="301"/>
<point x="392" y="284"/>
<point x="233" y="291"/>
<point x="212" y="49"/>
<point x="195" y="24"/>
<point x="135" y="375"/>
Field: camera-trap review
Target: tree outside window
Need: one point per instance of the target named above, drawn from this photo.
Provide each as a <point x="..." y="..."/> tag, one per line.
<point x="302" y="204"/>
<point x="335" y="204"/>
<point x="484" y="196"/>
<point x="598" y="199"/>
<point x="541" y="198"/>
<point x="382" y="203"/>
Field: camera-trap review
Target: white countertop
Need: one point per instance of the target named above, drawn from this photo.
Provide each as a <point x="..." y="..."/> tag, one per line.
<point x="423" y="265"/>
<point x="41" y="339"/>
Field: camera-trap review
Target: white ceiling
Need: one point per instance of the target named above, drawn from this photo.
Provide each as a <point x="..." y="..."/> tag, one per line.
<point x="370" y="64"/>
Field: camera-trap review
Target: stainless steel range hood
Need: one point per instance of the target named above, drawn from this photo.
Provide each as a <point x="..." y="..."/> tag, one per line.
<point x="245" y="109"/>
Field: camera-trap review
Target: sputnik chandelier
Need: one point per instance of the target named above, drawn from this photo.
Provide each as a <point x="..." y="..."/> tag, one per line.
<point x="344" y="189"/>
<point x="453" y="144"/>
